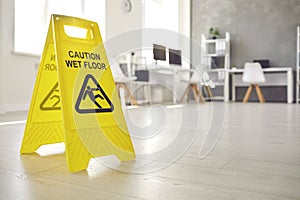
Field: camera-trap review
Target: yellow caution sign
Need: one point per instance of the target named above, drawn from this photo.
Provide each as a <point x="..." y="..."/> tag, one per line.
<point x="75" y="99"/>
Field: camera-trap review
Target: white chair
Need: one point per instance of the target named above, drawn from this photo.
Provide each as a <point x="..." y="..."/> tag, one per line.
<point x="193" y="85"/>
<point x="253" y="74"/>
<point x="121" y="81"/>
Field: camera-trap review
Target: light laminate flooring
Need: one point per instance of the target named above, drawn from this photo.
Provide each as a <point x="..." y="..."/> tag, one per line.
<point x="206" y="151"/>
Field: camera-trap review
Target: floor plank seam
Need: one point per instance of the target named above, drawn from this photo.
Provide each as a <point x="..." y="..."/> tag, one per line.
<point x="231" y="188"/>
<point x="88" y="186"/>
<point x="222" y="167"/>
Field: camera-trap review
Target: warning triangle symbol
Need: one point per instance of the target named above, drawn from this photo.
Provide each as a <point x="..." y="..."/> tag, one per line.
<point x="52" y="100"/>
<point x="92" y="98"/>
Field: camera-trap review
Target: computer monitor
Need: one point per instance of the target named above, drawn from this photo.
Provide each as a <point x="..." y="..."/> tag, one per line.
<point x="159" y="52"/>
<point x="265" y="63"/>
<point x="174" y="56"/>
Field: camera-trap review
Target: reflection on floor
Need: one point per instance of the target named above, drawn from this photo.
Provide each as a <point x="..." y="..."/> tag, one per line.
<point x="206" y="151"/>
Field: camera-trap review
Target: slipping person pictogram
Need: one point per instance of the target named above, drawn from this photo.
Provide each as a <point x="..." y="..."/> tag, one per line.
<point x="90" y="92"/>
<point x="91" y="89"/>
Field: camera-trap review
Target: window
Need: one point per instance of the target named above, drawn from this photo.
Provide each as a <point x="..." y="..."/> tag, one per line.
<point x="31" y="25"/>
<point x="161" y="14"/>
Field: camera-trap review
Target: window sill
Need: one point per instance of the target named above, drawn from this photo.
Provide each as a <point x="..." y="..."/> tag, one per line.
<point x="18" y="53"/>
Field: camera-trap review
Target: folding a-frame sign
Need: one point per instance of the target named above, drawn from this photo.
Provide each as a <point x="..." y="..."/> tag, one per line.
<point x="75" y="99"/>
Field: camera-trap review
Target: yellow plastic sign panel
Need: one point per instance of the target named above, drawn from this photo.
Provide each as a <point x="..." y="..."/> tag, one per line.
<point x="75" y="99"/>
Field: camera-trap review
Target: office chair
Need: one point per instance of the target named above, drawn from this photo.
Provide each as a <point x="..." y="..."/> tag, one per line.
<point x="121" y="82"/>
<point x="193" y="85"/>
<point x="253" y="74"/>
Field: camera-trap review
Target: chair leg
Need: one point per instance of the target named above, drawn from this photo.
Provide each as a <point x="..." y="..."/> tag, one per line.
<point x="194" y="87"/>
<point x="208" y="90"/>
<point x="118" y="87"/>
<point x="200" y="95"/>
<point x="247" y="95"/>
<point x="196" y="93"/>
<point x="132" y="99"/>
<point x="259" y="94"/>
<point x="188" y="94"/>
<point x="185" y="93"/>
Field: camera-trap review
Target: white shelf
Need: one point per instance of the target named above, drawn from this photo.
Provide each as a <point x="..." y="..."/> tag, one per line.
<point x="220" y="48"/>
<point x="215" y="55"/>
<point x="217" y="70"/>
<point x="214" y="40"/>
<point x="218" y="83"/>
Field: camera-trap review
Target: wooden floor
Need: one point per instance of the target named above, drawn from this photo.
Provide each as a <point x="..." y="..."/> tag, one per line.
<point x="257" y="157"/>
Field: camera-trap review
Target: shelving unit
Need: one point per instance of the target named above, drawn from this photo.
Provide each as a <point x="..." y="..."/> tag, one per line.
<point x="298" y="66"/>
<point x="215" y="57"/>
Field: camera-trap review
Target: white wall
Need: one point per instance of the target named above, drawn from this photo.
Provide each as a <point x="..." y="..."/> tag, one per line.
<point x="184" y="17"/>
<point x="17" y="72"/>
<point x="184" y="28"/>
<point x="1" y="42"/>
<point x="120" y="39"/>
<point x="118" y="21"/>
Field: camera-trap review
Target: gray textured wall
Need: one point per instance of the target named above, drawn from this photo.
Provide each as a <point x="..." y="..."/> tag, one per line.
<point x="258" y="29"/>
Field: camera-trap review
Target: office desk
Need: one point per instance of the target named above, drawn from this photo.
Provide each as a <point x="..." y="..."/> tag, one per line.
<point x="169" y="78"/>
<point x="273" y="78"/>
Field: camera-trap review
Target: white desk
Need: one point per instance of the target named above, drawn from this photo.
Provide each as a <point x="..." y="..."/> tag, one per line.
<point x="169" y="78"/>
<point x="273" y="78"/>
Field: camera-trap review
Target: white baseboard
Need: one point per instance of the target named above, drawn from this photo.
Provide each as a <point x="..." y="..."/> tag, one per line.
<point x="13" y="108"/>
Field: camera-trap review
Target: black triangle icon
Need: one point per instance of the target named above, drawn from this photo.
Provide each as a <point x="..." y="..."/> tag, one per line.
<point x="52" y="98"/>
<point x="87" y="91"/>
